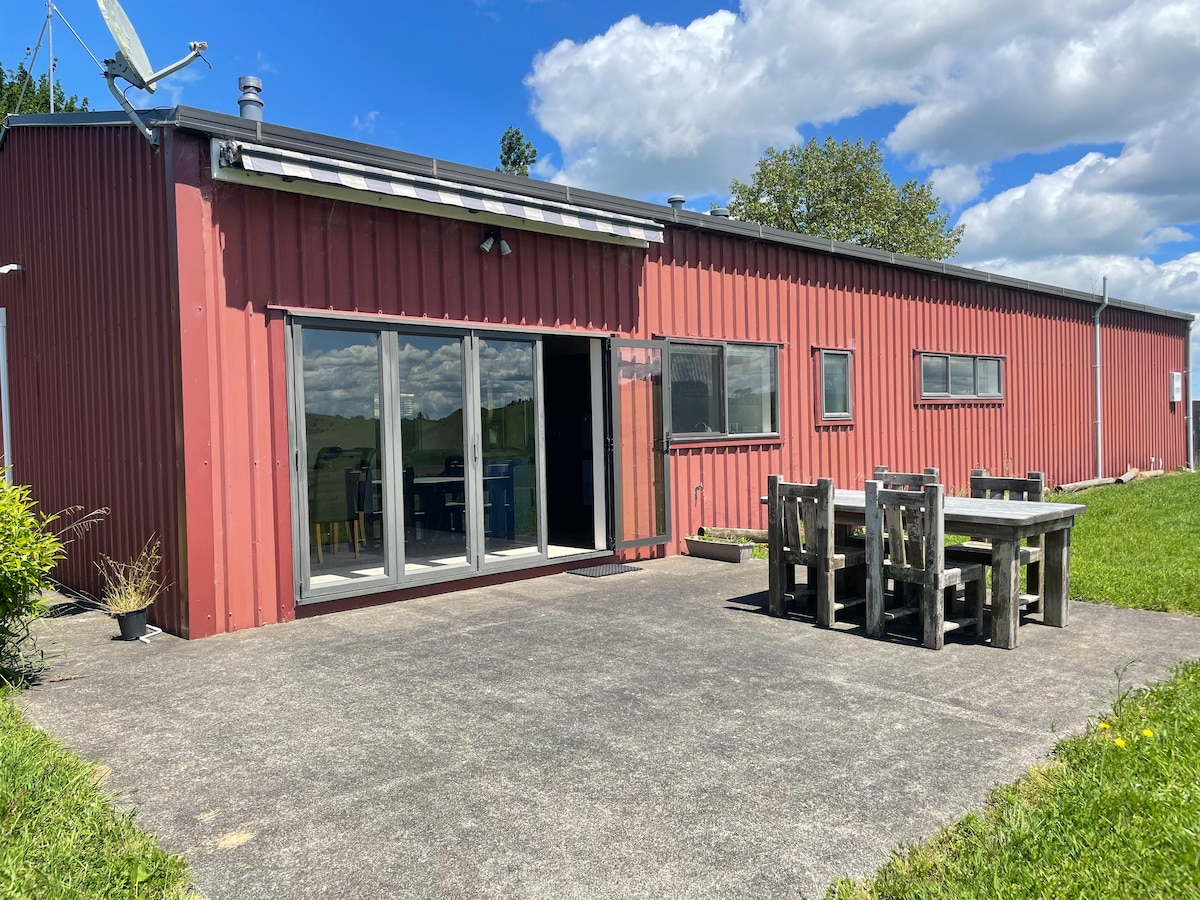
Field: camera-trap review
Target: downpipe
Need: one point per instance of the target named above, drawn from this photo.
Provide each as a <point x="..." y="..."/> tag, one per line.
<point x="1096" y="368"/>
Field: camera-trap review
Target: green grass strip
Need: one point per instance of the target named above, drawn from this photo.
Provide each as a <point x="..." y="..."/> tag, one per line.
<point x="60" y="836"/>
<point x="1136" y="544"/>
<point x="1116" y="813"/>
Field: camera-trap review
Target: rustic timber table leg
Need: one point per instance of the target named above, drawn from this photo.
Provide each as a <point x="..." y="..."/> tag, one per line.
<point x="1006" y="589"/>
<point x="1057" y="565"/>
<point x="775" y="566"/>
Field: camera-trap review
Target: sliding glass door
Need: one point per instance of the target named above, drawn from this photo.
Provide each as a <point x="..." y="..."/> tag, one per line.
<point x="419" y="455"/>
<point x="508" y="415"/>
<point x="430" y="380"/>
<point x="341" y="385"/>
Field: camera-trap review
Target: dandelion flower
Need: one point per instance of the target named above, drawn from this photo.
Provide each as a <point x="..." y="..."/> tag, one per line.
<point x="1105" y="726"/>
<point x="1120" y="742"/>
<point x="1147" y="732"/>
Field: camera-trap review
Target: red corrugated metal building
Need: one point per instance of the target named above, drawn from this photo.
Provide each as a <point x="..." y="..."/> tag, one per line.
<point x="329" y="374"/>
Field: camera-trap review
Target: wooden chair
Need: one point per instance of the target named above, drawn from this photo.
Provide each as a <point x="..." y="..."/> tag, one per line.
<point x="800" y="533"/>
<point x="913" y="554"/>
<point x="332" y="499"/>
<point x="1031" y="488"/>
<point x="905" y="481"/>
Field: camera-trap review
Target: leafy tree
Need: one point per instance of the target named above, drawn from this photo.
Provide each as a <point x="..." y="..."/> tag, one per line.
<point x="37" y="94"/>
<point x="841" y="191"/>
<point x="516" y="153"/>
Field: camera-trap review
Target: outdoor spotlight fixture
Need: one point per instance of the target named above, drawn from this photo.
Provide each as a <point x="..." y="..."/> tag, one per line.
<point x="17" y="267"/>
<point x="491" y="239"/>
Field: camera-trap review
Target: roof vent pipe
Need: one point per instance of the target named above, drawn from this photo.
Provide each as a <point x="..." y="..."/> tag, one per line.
<point x="676" y="201"/>
<point x="721" y="212"/>
<point x="250" y="104"/>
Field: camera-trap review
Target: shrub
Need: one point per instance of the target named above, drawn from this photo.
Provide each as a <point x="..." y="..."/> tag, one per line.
<point x="28" y="551"/>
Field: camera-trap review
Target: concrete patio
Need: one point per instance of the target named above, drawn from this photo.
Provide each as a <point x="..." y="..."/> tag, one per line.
<point x="650" y="734"/>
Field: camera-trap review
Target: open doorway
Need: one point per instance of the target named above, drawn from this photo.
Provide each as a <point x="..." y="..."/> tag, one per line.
<point x="575" y="501"/>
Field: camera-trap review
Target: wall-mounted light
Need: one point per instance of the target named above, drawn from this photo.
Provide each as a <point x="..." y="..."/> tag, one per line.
<point x="490" y="241"/>
<point x="11" y="267"/>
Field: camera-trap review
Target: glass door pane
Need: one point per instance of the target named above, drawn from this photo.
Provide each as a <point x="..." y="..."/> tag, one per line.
<point x="341" y="383"/>
<point x="640" y="455"/>
<point x="508" y="437"/>
<point x="431" y="400"/>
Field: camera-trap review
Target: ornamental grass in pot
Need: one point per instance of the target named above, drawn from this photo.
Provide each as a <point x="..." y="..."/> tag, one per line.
<point x="131" y="587"/>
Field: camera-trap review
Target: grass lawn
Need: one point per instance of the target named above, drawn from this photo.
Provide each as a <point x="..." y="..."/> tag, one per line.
<point x="1116" y="811"/>
<point x="60" y="836"/>
<point x="1136" y="544"/>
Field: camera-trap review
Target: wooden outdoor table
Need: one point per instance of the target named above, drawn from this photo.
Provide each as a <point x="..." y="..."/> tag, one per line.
<point x="1004" y="523"/>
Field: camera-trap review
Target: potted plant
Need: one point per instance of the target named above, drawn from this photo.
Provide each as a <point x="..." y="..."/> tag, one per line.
<point x="130" y="588"/>
<point x="708" y="546"/>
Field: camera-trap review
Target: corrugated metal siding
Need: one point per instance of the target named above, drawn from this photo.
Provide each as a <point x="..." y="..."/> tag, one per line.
<point x="707" y="286"/>
<point x="234" y="412"/>
<point x="242" y="249"/>
<point x="329" y="255"/>
<point x="1140" y="422"/>
<point x="92" y="341"/>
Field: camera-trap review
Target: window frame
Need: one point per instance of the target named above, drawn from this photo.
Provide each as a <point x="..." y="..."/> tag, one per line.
<point x="724" y="435"/>
<point x="825" y="417"/>
<point x="949" y="395"/>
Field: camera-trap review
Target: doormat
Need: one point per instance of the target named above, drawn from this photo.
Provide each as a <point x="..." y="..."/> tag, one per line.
<point x="606" y="569"/>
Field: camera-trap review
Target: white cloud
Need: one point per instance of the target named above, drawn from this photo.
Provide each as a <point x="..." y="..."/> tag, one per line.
<point x="956" y="184"/>
<point x="174" y="85"/>
<point x="658" y="107"/>
<point x="263" y="66"/>
<point x="365" y="124"/>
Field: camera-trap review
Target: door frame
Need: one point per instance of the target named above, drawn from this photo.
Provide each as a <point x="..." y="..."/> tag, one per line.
<point x="475" y="563"/>
<point x="661" y="446"/>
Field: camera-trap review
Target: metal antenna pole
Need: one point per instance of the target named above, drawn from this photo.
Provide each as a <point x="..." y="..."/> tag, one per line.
<point x="50" y="48"/>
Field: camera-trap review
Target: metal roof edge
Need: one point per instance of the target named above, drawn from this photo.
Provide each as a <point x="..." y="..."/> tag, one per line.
<point x="226" y="125"/>
<point x="160" y="116"/>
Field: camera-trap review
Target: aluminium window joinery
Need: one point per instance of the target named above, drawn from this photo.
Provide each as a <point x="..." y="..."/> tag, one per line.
<point x="724" y="390"/>
<point x="949" y="376"/>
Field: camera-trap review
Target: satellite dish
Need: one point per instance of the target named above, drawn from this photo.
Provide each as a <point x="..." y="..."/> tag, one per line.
<point x="133" y="65"/>
<point x="127" y="42"/>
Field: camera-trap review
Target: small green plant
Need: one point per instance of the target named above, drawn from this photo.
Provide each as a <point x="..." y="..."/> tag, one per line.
<point x="29" y="549"/>
<point x="135" y="585"/>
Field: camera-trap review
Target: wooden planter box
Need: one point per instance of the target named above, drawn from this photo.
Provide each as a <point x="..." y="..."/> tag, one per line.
<point x="726" y="551"/>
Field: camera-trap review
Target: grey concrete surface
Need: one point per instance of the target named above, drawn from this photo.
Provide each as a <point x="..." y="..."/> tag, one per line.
<point x="651" y="734"/>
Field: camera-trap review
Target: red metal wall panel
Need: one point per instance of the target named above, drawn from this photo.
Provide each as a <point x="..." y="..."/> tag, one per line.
<point x="242" y="249"/>
<point x="92" y="341"/>
<point x="234" y="411"/>
<point x="703" y="285"/>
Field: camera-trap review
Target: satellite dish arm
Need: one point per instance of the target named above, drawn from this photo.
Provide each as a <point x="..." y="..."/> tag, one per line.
<point x="111" y="76"/>
<point x="120" y="68"/>
<point x="196" y="47"/>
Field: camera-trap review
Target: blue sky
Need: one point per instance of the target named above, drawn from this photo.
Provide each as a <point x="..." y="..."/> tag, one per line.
<point x="1064" y="139"/>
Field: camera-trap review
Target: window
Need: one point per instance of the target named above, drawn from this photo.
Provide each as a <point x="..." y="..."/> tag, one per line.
<point x="836" y="386"/>
<point x="967" y="377"/>
<point x="723" y="389"/>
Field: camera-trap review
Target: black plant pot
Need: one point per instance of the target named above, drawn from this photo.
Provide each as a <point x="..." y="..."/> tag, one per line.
<point x="133" y="624"/>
